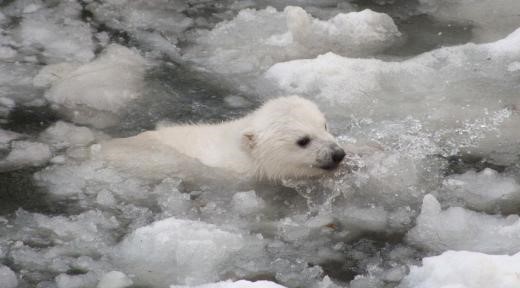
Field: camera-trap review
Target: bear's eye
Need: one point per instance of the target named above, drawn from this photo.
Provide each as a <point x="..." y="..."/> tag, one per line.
<point x="304" y="141"/>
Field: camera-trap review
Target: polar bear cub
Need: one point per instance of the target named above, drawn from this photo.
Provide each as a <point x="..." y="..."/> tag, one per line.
<point x="287" y="137"/>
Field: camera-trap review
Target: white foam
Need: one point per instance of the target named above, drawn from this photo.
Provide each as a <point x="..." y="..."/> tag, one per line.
<point x="457" y="228"/>
<point x="463" y="269"/>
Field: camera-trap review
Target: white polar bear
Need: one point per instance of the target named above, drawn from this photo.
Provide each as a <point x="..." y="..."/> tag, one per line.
<point x="287" y="137"/>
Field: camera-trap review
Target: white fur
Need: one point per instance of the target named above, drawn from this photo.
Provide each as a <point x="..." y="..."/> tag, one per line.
<point x="261" y="144"/>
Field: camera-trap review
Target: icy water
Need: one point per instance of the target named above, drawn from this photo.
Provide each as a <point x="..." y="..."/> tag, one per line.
<point x="429" y="88"/>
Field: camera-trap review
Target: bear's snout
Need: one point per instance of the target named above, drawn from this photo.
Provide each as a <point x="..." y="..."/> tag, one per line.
<point x="330" y="160"/>
<point x="338" y="154"/>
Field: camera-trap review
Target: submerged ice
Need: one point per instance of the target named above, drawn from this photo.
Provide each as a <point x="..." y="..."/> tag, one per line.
<point x="429" y="198"/>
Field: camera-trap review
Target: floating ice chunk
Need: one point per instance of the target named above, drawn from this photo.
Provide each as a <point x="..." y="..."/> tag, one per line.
<point x="162" y="16"/>
<point x="156" y="25"/>
<point x="375" y="219"/>
<point x="114" y="279"/>
<point x="105" y="198"/>
<point x="62" y="135"/>
<point x="7" y="53"/>
<point x="237" y="284"/>
<point x="58" y="31"/>
<point x="355" y="33"/>
<point x="95" y="92"/>
<point x="31" y="8"/>
<point x="463" y="269"/>
<point x="16" y="82"/>
<point x="51" y="73"/>
<point x="174" y="251"/>
<point x="156" y="42"/>
<point x="492" y="19"/>
<point x="25" y="153"/>
<point x="486" y="190"/>
<point x="7" y="278"/>
<point x="76" y="281"/>
<point x="87" y="230"/>
<point x="60" y="159"/>
<point x="369" y="219"/>
<point x="256" y="39"/>
<point x="247" y="203"/>
<point x="16" y="8"/>
<point x="514" y="66"/>
<point x="89" y="177"/>
<point x="459" y="229"/>
<point x="7" y="136"/>
<point x="170" y="199"/>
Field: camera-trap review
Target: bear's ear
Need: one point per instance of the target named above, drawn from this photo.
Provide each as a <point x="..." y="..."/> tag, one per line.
<point x="248" y="140"/>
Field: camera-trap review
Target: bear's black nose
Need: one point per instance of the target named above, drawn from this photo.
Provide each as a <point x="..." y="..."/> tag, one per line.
<point x="338" y="155"/>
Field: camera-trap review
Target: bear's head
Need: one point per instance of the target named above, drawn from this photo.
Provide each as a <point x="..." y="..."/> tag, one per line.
<point x="288" y="138"/>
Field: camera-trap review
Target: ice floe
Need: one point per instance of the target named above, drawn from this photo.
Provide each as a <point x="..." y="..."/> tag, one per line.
<point x="7" y="278"/>
<point x="465" y="270"/>
<point x="177" y="251"/>
<point x="457" y="228"/>
<point x="94" y="93"/>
